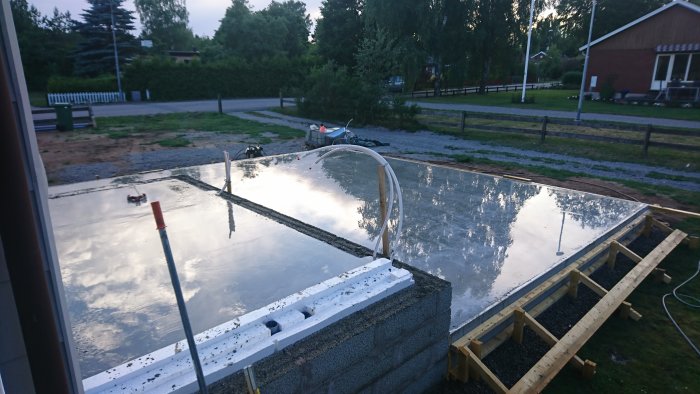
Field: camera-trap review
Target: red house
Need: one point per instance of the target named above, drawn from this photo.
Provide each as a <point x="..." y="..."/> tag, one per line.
<point x="659" y="50"/>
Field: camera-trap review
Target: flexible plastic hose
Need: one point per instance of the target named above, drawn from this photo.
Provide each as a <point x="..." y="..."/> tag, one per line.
<point x="692" y="302"/>
<point x="394" y="187"/>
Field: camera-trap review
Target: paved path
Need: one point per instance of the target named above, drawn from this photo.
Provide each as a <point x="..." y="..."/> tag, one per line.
<point x="254" y="104"/>
<point x="150" y="108"/>
<point x="561" y="114"/>
<point x="425" y="145"/>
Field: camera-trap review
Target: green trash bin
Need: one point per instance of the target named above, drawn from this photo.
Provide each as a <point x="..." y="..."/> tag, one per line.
<point x="64" y="116"/>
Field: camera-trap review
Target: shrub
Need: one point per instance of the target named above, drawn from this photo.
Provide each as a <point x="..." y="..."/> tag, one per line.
<point x="167" y="80"/>
<point x="104" y="83"/>
<point x="572" y="79"/>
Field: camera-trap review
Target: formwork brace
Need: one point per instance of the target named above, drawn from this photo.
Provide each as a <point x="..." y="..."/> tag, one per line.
<point x="554" y="360"/>
<point x="464" y="361"/>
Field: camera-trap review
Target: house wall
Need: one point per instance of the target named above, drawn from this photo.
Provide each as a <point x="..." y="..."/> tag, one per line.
<point x="627" y="59"/>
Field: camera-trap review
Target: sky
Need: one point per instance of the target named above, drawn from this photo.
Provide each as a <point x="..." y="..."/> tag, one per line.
<point x="205" y="15"/>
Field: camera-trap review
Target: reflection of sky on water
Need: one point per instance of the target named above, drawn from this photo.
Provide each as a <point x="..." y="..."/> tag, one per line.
<point x="486" y="235"/>
<point x="120" y="297"/>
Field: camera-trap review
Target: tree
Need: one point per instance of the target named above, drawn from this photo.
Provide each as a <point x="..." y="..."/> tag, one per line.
<point x="95" y="53"/>
<point x="165" y="23"/>
<point x="498" y="33"/>
<point x="339" y="31"/>
<point x="575" y="18"/>
<point x="281" y="29"/>
<point x="45" y="42"/>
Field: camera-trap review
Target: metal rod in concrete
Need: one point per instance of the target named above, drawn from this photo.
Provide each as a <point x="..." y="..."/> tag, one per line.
<point x="160" y="225"/>
<point x="386" y="250"/>
<point x="585" y="65"/>
<point x="227" y="163"/>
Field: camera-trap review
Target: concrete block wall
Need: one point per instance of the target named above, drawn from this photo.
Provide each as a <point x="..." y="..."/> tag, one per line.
<point x="399" y="344"/>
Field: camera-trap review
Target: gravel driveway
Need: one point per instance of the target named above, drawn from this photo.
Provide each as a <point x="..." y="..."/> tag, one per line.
<point x="425" y="145"/>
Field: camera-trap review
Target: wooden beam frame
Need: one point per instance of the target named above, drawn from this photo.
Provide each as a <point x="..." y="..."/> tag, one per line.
<point x="593" y="259"/>
<point x="484" y="372"/>
<point x="672" y="211"/>
<point x="553" y="361"/>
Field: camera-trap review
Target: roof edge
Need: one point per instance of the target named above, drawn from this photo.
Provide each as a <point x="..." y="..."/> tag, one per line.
<point x="686" y="4"/>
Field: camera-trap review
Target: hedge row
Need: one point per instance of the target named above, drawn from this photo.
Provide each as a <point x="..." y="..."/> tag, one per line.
<point x="107" y="83"/>
<point x="167" y="80"/>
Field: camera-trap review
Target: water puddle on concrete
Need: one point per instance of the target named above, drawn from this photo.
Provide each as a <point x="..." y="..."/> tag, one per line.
<point x="486" y="235"/>
<point x="230" y="261"/>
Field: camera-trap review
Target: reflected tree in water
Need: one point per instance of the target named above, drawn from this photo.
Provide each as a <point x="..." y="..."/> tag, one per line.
<point x="591" y="211"/>
<point x="469" y="222"/>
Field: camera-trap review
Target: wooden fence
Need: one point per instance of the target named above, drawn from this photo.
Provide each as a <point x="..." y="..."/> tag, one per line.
<point x="475" y="89"/>
<point x="638" y="134"/>
<point x="45" y="118"/>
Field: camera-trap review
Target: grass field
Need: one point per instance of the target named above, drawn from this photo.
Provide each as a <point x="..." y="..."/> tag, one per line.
<point x="557" y="99"/>
<point x="596" y="150"/>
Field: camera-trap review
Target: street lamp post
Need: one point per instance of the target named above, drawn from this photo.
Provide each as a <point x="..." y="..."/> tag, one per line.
<point x="527" y="52"/>
<point x="116" y="53"/>
<point x="585" y="65"/>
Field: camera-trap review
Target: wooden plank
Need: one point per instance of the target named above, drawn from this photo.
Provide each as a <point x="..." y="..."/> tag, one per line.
<point x="574" y="280"/>
<point x="661" y="226"/>
<point x="602" y="292"/>
<point x="554" y="360"/>
<point x="381" y="175"/>
<point x="612" y="254"/>
<point x="492" y="380"/>
<point x="624" y="250"/>
<point x="660" y="209"/>
<point x="660" y="275"/>
<point x="507" y="312"/>
<point x="546" y="336"/>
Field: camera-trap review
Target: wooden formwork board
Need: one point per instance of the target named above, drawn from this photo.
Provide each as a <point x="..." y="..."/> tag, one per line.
<point x="509" y="322"/>
<point x="554" y="360"/>
<point x="592" y="260"/>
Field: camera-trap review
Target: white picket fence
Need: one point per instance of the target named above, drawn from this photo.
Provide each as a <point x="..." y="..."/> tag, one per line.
<point x="85" y="98"/>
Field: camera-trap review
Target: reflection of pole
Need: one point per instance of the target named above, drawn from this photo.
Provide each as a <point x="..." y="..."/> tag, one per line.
<point x="382" y="208"/>
<point x="561" y="232"/>
<point x="116" y="54"/>
<point x="160" y="224"/>
<point x="231" y="221"/>
<point x="527" y="53"/>
<point x="585" y="65"/>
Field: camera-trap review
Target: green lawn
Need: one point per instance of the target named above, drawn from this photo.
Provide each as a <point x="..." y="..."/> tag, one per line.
<point x="124" y="126"/>
<point x="37" y="99"/>
<point x="556" y="99"/>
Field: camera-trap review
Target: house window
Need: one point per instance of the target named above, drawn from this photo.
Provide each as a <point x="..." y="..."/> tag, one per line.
<point x="661" y="67"/>
<point x="680" y="66"/>
<point x="694" y="68"/>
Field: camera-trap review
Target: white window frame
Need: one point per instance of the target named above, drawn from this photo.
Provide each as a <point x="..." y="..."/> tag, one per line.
<point x="661" y="84"/>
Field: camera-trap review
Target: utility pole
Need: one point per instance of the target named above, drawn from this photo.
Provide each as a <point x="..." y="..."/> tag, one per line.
<point x="116" y="53"/>
<point x="585" y="65"/>
<point x="527" y="52"/>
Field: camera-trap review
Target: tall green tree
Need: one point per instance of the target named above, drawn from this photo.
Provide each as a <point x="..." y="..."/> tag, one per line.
<point x="95" y="53"/>
<point x="281" y="29"/>
<point x="575" y="17"/>
<point x="165" y="23"/>
<point x="46" y="42"/>
<point x="339" y="31"/>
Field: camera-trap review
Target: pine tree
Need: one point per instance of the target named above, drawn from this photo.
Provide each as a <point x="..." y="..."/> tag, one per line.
<point x="95" y="54"/>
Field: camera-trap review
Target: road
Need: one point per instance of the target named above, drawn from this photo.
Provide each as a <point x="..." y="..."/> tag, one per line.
<point x="561" y="114"/>
<point x="150" y="108"/>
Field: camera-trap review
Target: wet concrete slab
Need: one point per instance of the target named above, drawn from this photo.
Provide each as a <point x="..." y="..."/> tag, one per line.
<point x="488" y="236"/>
<point x="230" y="261"/>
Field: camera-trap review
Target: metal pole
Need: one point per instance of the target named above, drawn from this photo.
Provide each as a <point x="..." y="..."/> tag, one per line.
<point x="527" y="52"/>
<point x="160" y="225"/>
<point x="585" y="65"/>
<point x="116" y="54"/>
